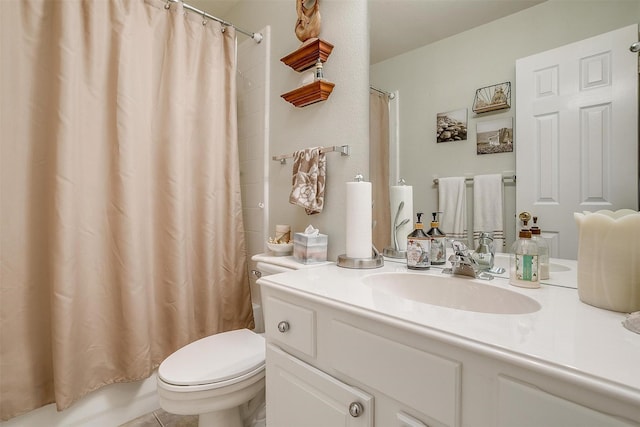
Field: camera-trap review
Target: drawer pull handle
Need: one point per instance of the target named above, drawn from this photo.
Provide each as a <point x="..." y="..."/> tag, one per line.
<point x="356" y="409"/>
<point x="283" y="326"/>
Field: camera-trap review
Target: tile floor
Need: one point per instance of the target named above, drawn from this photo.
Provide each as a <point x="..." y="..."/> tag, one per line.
<point x="160" y="418"/>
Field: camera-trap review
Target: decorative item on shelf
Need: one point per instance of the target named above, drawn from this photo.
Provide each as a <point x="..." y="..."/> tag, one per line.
<point x="492" y="98"/>
<point x="319" y="73"/>
<point x="309" y="20"/>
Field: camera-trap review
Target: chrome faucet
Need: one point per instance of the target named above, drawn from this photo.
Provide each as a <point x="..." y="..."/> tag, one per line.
<point x="463" y="264"/>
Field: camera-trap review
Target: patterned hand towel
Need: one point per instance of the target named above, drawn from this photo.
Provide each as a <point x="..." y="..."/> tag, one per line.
<point x="309" y="172"/>
<point x="452" y="202"/>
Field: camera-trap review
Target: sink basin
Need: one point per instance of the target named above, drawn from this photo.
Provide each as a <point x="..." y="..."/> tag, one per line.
<point x="452" y="292"/>
<point x="556" y="268"/>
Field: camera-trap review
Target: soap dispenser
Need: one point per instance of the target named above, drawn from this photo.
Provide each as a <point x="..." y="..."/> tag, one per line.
<point x="438" y="250"/>
<point x="543" y="249"/>
<point x="418" y="247"/>
<point x="524" y="262"/>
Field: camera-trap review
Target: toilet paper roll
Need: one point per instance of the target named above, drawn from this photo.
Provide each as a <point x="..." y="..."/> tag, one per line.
<point x="397" y="194"/>
<point x="359" y="220"/>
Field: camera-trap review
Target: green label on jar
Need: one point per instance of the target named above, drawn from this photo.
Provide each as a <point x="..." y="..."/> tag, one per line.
<point x="527" y="267"/>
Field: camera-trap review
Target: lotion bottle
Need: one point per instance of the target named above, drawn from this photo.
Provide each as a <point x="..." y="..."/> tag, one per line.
<point x="524" y="258"/>
<point x="418" y="247"/>
<point x="543" y="249"/>
<point x="438" y="250"/>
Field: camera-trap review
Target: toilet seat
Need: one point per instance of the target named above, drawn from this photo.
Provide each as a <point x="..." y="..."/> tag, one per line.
<point x="215" y="361"/>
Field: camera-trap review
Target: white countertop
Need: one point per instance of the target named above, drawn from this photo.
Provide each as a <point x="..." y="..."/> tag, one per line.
<point x="566" y="337"/>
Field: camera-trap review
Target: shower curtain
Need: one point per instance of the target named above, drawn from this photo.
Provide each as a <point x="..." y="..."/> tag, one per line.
<point x="379" y="168"/>
<point x="122" y="235"/>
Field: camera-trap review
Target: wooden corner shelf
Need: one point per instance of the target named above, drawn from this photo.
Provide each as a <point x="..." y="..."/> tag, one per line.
<point x="307" y="55"/>
<point x="309" y="94"/>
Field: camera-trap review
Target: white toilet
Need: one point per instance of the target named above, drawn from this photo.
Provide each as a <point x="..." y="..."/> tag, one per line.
<point x="221" y="377"/>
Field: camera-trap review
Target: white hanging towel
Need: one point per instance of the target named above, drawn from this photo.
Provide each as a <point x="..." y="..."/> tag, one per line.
<point x="488" y="208"/>
<point x="452" y="202"/>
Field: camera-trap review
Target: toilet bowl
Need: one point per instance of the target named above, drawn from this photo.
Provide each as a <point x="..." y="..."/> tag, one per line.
<point x="214" y="378"/>
<point x="221" y="378"/>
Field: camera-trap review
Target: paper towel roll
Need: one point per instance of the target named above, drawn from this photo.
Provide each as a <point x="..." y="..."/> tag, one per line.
<point x="397" y="194"/>
<point x="359" y="220"/>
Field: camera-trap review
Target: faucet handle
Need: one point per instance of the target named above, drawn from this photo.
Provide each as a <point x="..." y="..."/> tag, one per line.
<point x="459" y="247"/>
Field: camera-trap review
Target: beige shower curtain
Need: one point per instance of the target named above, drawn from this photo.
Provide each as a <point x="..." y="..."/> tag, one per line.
<point x="379" y="168"/>
<point x="122" y="235"/>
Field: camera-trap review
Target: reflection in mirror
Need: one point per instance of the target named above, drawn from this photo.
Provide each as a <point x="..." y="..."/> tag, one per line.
<point x="444" y="76"/>
<point x="383" y="167"/>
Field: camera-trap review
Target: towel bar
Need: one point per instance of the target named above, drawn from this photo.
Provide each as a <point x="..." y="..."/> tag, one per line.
<point x="342" y="149"/>
<point x="470" y="179"/>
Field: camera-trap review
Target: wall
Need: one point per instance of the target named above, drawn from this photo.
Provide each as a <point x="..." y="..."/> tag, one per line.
<point x="253" y="142"/>
<point x="342" y="119"/>
<point x="444" y="76"/>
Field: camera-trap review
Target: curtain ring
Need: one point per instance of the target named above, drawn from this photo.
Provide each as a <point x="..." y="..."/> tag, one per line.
<point x="167" y="5"/>
<point x="224" y="28"/>
<point x="204" y="18"/>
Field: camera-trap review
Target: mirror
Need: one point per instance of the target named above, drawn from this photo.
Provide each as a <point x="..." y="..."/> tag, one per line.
<point x="443" y="76"/>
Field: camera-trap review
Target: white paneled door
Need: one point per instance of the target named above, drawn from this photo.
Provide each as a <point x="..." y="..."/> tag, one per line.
<point x="577" y="133"/>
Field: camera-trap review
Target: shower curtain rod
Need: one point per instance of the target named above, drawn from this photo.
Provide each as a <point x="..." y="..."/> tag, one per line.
<point x="257" y="37"/>
<point x="384" y="92"/>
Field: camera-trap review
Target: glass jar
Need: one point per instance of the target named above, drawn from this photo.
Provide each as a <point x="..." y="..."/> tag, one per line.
<point x="523" y="262"/>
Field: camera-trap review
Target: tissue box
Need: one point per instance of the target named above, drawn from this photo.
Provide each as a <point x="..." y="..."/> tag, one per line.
<point x="310" y="249"/>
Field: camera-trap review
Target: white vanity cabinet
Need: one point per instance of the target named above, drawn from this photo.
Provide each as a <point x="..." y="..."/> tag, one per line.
<point x="321" y="362"/>
<point x="324" y="355"/>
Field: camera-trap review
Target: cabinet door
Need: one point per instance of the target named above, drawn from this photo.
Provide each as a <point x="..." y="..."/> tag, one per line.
<point x="300" y="395"/>
<point x="524" y="405"/>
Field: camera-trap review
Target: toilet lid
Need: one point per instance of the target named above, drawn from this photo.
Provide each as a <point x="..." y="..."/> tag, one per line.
<point x="214" y="359"/>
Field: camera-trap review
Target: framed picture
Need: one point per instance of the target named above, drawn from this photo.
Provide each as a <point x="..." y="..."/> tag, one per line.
<point x="495" y="136"/>
<point x="451" y="126"/>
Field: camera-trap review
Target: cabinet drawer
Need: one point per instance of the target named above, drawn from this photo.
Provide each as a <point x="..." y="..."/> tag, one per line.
<point x="300" y="395"/>
<point x="426" y="382"/>
<point x="291" y="325"/>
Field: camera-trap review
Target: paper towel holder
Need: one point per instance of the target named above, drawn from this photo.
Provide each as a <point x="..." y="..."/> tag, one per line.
<point x="376" y="260"/>
<point x="395" y="251"/>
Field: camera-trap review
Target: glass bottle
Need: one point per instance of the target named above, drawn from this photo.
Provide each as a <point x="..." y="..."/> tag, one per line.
<point x="438" y="250"/>
<point x="418" y="248"/>
<point x="543" y="249"/>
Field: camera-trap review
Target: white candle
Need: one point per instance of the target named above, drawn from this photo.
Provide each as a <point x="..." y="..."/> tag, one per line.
<point x="398" y="194"/>
<point x="359" y="220"/>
